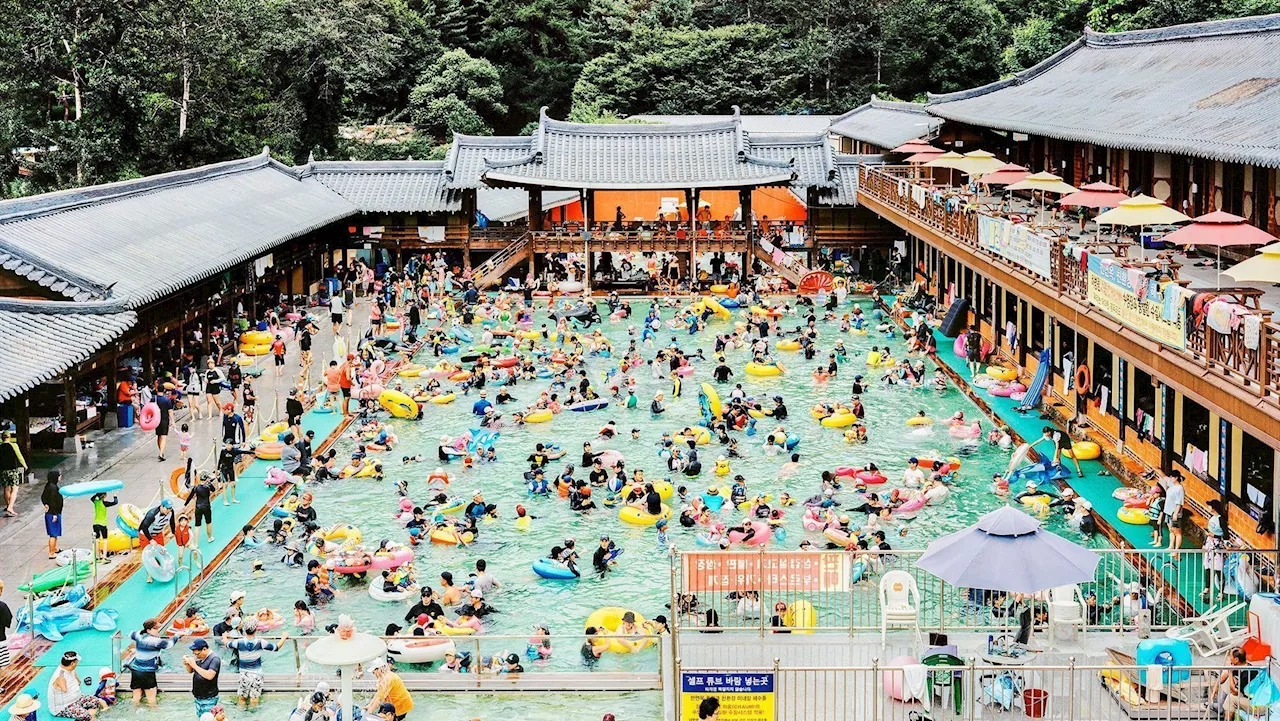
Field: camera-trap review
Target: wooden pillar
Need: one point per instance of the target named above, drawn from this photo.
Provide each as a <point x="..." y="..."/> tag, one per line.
<point x="69" y="408"/>
<point x="744" y="200"/>
<point x="22" y="419"/>
<point x="113" y="380"/>
<point x="535" y="209"/>
<point x="589" y="209"/>
<point x="691" y="202"/>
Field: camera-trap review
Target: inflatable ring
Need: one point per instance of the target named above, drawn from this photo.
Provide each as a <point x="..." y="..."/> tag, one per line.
<point x="839" y="420"/>
<point x="269" y="451"/>
<point x="1084" y="380"/>
<point x="272" y="433"/>
<point x="1001" y="373"/>
<point x="175" y="483"/>
<point x="1083" y="451"/>
<point x="761" y="369"/>
<point x="638" y="517"/>
<point x="609" y="619"/>
<point x="538" y="417"/>
<point x="255" y="350"/>
<point x="719" y="288"/>
<point x="460" y="376"/>
<point x="399" y="404"/>
<point x="413" y="370"/>
<point x="800" y="614"/>
<point x="256" y="337"/>
<point x="244" y="360"/>
<point x="788" y="345"/>
<point x="449" y="537"/>
<point x="919" y="421"/>
<point x="149" y="416"/>
<point x="1134" y="516"/>
<point x="444" y="399"/>
<point x="701" y="436"/>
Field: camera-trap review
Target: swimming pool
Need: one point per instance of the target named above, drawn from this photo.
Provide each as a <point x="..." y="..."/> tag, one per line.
<point x="642" y="580"/>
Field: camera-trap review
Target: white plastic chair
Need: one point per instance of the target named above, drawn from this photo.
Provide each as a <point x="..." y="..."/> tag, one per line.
<point x="1211" y="633"/>
<point x="1066" y="609"/>
<point x="899" y="606"/>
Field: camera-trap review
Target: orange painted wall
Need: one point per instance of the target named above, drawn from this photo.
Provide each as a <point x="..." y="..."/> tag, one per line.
<point x="776" y="203"/>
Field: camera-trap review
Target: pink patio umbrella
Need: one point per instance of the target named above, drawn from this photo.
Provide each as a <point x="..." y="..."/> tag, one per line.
<point x="1007" y="174"/>
<point x="1095" y="195"/>
<point x="915" y="146"/>
<point x="1219" y="229"/>
<point x="924" y="156"/>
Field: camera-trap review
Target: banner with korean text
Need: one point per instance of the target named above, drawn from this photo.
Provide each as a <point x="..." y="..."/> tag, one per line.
<point x="1016" y="243"/>
<point x="1142" y="304"/>
<point x="727" y="696"/>
<point x="799" y="571"/>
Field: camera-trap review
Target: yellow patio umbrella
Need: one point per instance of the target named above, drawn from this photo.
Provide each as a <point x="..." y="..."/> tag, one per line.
<point x="1261" y="268"/>
<point x="950" y="160"/>
<point x="1141" y="210"/>
<point x="1045" y="183"/>
<point x="980" y="162"/>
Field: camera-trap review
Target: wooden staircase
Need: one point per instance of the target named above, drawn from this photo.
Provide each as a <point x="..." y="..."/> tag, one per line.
<point x="792" y="270"/>
<point x="491" y="272"/>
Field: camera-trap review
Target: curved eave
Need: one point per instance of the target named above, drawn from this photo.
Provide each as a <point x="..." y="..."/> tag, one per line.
<point x="1260" y="155"/>
<point x="509" y="180"/>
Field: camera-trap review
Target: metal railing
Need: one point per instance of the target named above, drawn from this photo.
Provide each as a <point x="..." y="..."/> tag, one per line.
<point x="1255" y="369"/>
<point x="974" y="691"/>
<point x="743" y="591"/>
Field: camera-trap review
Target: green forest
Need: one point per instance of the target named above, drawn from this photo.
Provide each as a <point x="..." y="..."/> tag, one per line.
<point x="102" y="90"/>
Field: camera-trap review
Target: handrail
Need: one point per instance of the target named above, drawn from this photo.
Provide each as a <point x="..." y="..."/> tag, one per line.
<point x="189" y="566"/>
<point x="1256" y="370"/>
<point x="499" y="259"/>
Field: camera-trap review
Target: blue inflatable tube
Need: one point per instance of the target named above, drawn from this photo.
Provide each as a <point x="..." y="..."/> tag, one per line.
<point x="547" y="568"/>
<point x="463" y="334"/>
<point x="89" y="488"/>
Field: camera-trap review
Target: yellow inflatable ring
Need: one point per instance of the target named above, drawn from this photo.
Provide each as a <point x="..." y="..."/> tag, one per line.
<point x="1001" y="373"/>
<point x="399" y="404"/>
<point x="638" y="517"/>
<point x="919" y="421"/>
<point x="788" y="345"/>
<point x="760" y="369"/>
<point x="609" y="619"/>
<point x="800" y="614"/>
<point x="719" y="288"/>
<point x="448" y="537"/>
<point x="413" y="370"/>
<point x="368" y="470"/>
<point x="448" y="630"/>
<point x="256" y="337"/>
<point x="1134" y="516"/>
<point x="539" y="417"/>
<point x="444" y="399"/>
<point x="1083" y="451"/>
<point x="272" y="433"/>
<point x="664" y="489"/>
<point x="245" y="360"/>
<point x="342" y="532"/>
<point x="701" y="436"/>
<point x="839" y="420"/>
<point x="254" y="350"/>
<point x="530" y="334"/>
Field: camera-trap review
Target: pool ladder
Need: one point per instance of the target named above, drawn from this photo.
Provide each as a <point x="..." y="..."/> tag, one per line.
<point x="190" y="566"/>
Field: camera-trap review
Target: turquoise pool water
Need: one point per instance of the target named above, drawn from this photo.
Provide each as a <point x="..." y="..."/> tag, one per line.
<point x="642" y="581"/>
<point x="625" y="706"/>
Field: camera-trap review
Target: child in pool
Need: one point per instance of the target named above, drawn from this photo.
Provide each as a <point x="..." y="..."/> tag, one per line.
<point x="303" y="617"/>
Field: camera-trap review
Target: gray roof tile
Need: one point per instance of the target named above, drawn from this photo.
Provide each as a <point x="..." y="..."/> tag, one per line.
<point x="812" y="155"/>
<point x="886" y="123"/>
<point x="1210" y="90"/>
<point x="46" y="338"/>
<point x="465" y="162"/>
<point x="845" y="192"/>
<point x="772" y="124"/>
<point x="390" y="186"/>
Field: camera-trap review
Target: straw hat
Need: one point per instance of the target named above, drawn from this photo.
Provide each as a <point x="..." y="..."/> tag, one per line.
<point x="24" y="705"/>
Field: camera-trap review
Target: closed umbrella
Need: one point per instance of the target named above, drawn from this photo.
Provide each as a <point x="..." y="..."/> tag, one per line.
<point x="1219" y="229"/>
<point x="1007" y="550"/>
<point x="1261" y="268"/>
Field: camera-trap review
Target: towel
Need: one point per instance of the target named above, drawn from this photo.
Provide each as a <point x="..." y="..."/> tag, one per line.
<point x="1252" y="331"/>
<point x="915" y="678"/>
<point x="902" y="187"/>
<point x="1104" y="394"/>
<point x="1219" y="317"/>
<point x="1068" y="372"/>
<point x="1155" y="677"/>
<point x="1011" y="335"/>
<point x="918" y="194"/>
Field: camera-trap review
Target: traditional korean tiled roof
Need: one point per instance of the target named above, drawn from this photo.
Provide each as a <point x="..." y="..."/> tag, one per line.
<point x="139" y="240"/>
<point x="797" y="124"/>
<point x="390" y="186"/>
<point x="465" y="162"/>
<point x="886" y="123"/>
<point x="43" y="338"/>
<point x="638" y="156"/>
<point x="845" y="190"/>
<point x="811" y="155"/>
<point x="1209" y="90"/>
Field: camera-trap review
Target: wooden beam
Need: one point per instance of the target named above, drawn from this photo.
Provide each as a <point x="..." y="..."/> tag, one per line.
<point x="1246" y="410"/>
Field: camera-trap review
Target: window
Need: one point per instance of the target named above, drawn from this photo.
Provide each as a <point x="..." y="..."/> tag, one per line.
<point x="1066" y="345"/>
<point x="1261" y="196"/>
<point x="1141" y="168"/>
<point x="1195" y="426"/>
<point x="1010" y="311"/>
<point x="1257" y="476"/>
<point x="1036" y="333"/>
<point x="1144" y="400"/>
<point x="987" y="303"/>
<point x="1233" y="188"/>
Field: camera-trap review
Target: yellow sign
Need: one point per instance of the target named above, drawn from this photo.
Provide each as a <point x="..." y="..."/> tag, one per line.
<point x="726" y="696"/>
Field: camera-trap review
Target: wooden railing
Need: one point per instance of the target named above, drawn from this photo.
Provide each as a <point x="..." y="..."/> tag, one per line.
<point x="1227" y="355"/>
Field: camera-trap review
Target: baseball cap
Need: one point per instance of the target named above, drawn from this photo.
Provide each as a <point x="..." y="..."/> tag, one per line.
<point x="198" y="644"/>
<point x="236" y="596"/>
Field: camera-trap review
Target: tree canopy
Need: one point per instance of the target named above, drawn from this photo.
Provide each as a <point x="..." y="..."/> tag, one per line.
<point x="100" y="90"/>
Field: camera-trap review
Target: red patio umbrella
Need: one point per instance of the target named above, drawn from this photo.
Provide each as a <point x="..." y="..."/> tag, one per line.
<point x="1094" y="195"/>
<point x="1219" y="229"/>
<point x="915" y="146"/>
<point x="1007" y="174"/>
<point x="925" y="156"/>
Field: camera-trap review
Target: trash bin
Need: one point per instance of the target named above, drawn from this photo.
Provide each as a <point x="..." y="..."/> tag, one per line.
<point x="1034" y="701"/>
<point x="124" y="415"/>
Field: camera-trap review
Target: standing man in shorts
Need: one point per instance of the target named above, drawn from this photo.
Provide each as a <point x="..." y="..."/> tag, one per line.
<point x="52" y="499"/>
<point x="204" y="667"/>
<point x="973" y="350"/>
<point x="336" y="310"/>
<point x="346" y="380"/>
<point x="277" y="351"/>
<point x="165" y="403"/>
<point x="148" y="644"/>
<point x="250" y="649"/>
<point x="202" y="499"/>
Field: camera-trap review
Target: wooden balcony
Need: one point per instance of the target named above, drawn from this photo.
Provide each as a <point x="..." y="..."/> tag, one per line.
<point x="571" y="240"/>
<point x="1250" y="374"/>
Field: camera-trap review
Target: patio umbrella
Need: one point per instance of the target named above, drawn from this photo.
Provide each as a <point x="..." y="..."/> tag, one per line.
<point x="1045" y="183"/>
<point x="980" y="162"/>
<point x="1261" y="268"/>
<point x="1006" y="174"/>
<point x="1219" y="229"/>
<point x="1094" y="195"/>
<point x="1007" y="550"/>
<point x="1140" y="211"/>
<point x="924" y="156"/>
<point x="950" y="160"/>
<point x="915" y="146"/>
